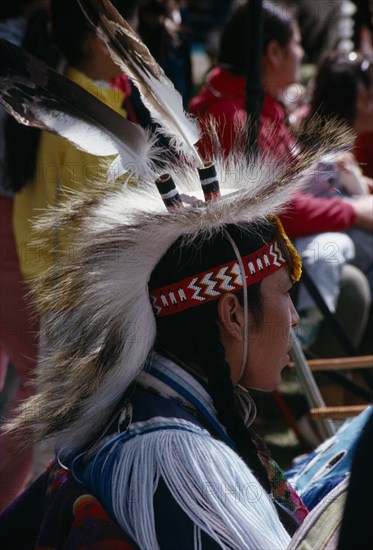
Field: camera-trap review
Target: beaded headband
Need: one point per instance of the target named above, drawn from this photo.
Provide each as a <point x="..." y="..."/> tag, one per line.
<point x="210" y="285"/>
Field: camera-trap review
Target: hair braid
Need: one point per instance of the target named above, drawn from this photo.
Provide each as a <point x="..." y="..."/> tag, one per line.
<point x="222" y="392"/>
<point x="206" y="346"/>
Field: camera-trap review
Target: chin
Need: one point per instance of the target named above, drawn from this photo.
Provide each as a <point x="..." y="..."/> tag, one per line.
<point x="274" y="386"/>
<point x="264" y="384"/>
<point x="265" y="388"/>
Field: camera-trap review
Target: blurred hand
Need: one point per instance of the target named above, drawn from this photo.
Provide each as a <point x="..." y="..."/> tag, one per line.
<point x="351" y="177"/>
<point x="369" y="182"/>
<point x="363" y="207"/>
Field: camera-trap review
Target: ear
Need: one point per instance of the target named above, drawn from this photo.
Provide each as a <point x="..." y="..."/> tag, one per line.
<point x="231" y="317"/>
<point x="274" y="53"/>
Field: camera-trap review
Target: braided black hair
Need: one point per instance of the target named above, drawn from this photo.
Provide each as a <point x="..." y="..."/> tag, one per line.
<point x="218" y="374"/>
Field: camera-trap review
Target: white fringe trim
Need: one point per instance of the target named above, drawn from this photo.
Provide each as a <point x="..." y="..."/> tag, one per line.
<point x="208" y="481"/>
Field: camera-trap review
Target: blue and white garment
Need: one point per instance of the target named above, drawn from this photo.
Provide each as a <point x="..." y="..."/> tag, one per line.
<point x="330" y="464"/>
<point x="167" y="480"/>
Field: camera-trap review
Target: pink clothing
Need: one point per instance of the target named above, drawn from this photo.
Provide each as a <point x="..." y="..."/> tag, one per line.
<point x="223" y="98"/>
<point x="19" y="345"/>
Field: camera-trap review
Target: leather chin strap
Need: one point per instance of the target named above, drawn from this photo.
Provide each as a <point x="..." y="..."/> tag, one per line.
<point x="245" y="306"/>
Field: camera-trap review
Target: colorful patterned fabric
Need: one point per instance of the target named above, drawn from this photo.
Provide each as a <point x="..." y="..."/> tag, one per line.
<point x="321" y="529"/>
<point x="57" y="513"/>
<point x="282" y="491"/>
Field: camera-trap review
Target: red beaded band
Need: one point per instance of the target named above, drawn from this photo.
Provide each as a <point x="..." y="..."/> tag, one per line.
<point x="210" y="285"/>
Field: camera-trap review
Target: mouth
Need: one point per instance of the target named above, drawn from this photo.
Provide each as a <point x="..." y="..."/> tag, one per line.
<point x="288" y="355"/>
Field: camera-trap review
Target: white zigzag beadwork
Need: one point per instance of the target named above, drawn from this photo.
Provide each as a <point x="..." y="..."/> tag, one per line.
<point x="210" y="285"/>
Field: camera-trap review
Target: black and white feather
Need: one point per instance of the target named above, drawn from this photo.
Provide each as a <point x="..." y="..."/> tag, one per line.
<point x="157" y="91"/>
<point x="38" y="96"/>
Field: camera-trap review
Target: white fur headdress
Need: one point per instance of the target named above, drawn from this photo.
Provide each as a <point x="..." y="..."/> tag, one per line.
<point x="100" y="316"/>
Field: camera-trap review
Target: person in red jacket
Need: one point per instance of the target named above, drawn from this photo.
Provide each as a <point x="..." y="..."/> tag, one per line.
<point x="321" y="220"/>
<point x="223" y="97"/>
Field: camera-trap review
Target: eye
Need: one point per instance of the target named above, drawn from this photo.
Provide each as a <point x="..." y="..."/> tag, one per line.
<point x="287" y="292"/>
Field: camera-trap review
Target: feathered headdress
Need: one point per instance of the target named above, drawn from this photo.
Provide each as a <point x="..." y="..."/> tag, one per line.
<point x="101" y="319"/>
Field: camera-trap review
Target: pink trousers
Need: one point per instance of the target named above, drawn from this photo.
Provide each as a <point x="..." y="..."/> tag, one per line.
<point x="19" y="345"/>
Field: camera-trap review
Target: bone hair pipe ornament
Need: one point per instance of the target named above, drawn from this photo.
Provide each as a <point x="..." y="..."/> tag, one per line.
<point x="170" y="195"/>
<point x="209" y="181"/>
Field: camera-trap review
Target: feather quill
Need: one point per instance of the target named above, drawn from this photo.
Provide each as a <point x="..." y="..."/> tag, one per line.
<point x="157" y="91"/>
<point x="38" y="96"/>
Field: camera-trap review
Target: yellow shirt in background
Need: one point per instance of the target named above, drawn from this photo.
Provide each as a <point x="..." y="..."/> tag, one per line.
<point x="60" y="168"/>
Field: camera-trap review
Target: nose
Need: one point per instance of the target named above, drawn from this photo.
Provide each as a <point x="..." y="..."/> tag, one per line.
<point x="294" y="317"/>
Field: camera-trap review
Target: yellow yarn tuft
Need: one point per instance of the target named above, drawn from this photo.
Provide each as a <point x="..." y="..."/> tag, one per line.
<point x="296" y="259"/>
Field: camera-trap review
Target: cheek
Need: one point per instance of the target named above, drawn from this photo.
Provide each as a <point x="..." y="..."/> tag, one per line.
<point x="274" y="331"/>
<point x="265" y="363"/>
<point x="271" y="339"/>
<point x="277" y="336"/>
